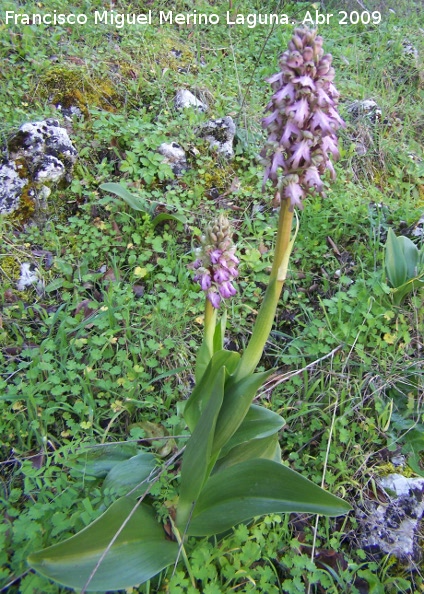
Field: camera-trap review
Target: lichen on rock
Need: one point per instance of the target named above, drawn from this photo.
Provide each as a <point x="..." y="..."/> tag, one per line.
<point x="220" y="135"/>
<point x="11" y="186"/>
<point x="40" y="155"/>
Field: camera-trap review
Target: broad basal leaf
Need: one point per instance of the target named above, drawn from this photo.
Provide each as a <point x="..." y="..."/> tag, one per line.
<point x="258" y="423"/>
<point x="201" y="393"/>
<point x="167" y="216"/>
<point x="98" y="461"/>
<point x="136" y="202"/>
<point x="395" y="261"/>
<point x="130" y="473"/>
<point x="237" y="400"/>
<point x="255" y="488"/>
<point x="266" y="447"/>
<point x="411" y="255"/>
<point x="139" y="552"/>
<point x="197" y="456"/>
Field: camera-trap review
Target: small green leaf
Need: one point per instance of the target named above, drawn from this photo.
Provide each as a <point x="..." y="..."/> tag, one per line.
<point x="139" y="552"/>
<point x="166" y="216"/>
<point x="136" y="202"/>
<point x="254" y="488"/>
<point x="54" y="285"/>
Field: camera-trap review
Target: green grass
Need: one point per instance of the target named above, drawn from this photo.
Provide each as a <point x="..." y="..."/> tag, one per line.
<point x="90" y="361"/>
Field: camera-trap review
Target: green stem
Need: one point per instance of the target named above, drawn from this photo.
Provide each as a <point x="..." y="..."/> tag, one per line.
<point x="265" y="318"/>
<point x="210" y="325"/>
<point x="182" y="551"/>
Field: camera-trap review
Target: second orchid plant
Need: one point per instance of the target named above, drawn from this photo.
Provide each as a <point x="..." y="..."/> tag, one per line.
<point x="231" y="468"/>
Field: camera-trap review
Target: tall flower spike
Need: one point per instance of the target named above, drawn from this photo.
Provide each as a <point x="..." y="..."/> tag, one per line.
<point x="303" y="121"/>
<point x="216" y="263"/>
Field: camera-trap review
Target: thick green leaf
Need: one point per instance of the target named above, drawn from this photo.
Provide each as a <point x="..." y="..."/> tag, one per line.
<point x="136" y="202"/>
<point x="197" y="456"/>
<point x="411" y="256"/>
<point x="219" y="335"/>
<point x="401" y="292"/>
<point x="99" y="460"/>
<point x="166" y="216"/>
<point x="257" y="424"/>
<point x="126" y="475"/>
<point x="201" y="393"/>
<point x="140" y="551"/>
<point x="266" y="447"/>
<point x="203" y="358"/>
<point x="254" y="488"/>
<point x="395" y="261"/>
<point x="237" y="400"/>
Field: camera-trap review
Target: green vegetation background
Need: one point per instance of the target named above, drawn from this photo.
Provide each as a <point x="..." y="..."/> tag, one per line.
<point x="106" y="353"/>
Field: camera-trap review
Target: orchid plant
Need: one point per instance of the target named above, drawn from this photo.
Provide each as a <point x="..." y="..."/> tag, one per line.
<point x="404" y="266"/>
<point x="231" y="467"/>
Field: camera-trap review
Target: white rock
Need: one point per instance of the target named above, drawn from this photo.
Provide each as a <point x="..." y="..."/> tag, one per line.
<point x="220" y="135"/>
<point x="48" y="156"/>
<point x="29" y="277"/>
<point x="185" y="99"/>
<point x="11" y="185"/>
<point x="49" y="170"/>
<point x="174" y="156"/>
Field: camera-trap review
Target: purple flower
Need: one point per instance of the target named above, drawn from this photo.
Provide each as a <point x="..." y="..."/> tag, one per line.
<point x="215" y="256"/>
<point x="312" y="179"/>
<point x="221" y="275"/>
<point x="305" y="81"/>
<point x="294" y="192"/>
<point x="214" y="298"/>
<point x="227" y="290"/>
<point x="298" y="111"/>
<point x="290" y="129"/>
<point x="286" y="92"/>
<point x="321" y="120"/>
<point x="205" y="281"/>
<point x="301" y="152"/>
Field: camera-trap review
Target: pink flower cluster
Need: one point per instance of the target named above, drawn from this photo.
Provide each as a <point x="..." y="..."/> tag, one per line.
<point x="303" y="121"/>
<point x="216" y="263"/>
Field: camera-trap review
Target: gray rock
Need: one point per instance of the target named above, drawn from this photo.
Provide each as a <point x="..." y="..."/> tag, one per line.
<point x="40" y="154"/>
<point x="366" y="108"/>
<point x="174" y="156"/>
<point x="418" y="228"/>
<point x="185" y="99"/>
<point x="220" y="135"/>
<point x="35" y="140"/>
<point x="11" y="186"/>
<point x="393" y="527"/>
<point x="50" y="169"/>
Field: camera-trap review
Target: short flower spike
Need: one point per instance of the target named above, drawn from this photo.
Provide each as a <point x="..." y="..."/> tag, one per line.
<point x="216" y="263"/>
